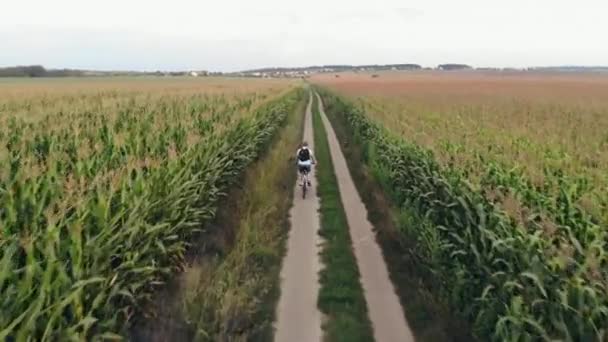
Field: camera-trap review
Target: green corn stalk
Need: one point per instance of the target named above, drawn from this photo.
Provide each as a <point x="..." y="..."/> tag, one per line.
<point x="85" y="244"/>
<point x="516" y="283"/>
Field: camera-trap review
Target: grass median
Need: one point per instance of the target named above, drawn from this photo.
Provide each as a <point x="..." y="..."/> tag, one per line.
<point x="341" y="296"/>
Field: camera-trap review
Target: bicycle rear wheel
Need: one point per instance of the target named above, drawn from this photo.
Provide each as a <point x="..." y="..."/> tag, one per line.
<point x="304" y="185"/>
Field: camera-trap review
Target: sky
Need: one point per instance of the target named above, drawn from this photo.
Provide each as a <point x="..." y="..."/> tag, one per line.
<point x="231" y="35"/>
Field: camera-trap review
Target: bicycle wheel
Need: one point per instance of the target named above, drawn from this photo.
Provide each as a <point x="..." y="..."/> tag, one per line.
<point x="304" y="185"/>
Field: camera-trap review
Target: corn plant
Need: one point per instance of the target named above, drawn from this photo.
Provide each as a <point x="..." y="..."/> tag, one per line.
<point x="540" y="276"/>
<point x="97" y="210"/>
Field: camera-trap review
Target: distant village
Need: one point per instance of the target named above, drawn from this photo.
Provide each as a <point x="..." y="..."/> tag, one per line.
<point x="307" y="71"/>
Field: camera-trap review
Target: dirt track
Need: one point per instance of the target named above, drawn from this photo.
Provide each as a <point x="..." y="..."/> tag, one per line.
<point x="383" y="304"/>
<point x="298" y="318"/>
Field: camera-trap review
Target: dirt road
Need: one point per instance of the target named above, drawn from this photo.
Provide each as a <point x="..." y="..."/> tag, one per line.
<point x="383" y="305"/>
<point x="298" y="318"/>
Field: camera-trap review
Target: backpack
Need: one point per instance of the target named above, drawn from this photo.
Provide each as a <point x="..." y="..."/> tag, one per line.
<point x="304" y="154"/>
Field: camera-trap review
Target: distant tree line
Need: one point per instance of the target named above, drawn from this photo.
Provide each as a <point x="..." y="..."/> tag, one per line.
<point x="37" y="71"/>
<point x="23" y="71"/>
<point x="40" y="71"/>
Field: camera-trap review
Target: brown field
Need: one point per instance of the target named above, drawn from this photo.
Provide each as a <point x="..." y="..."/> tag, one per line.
<point x="211" y="85"/>
<point x="439" y="87"/>
<point x="35" y="98"/>
<point x="530" y="121"/>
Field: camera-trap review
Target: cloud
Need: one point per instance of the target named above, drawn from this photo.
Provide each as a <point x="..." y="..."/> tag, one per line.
<point x="236" y="34"/>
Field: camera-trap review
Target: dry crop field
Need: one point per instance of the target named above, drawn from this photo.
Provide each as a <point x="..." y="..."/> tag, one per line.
<point x="35" y="98"/>
<point x="103" y="180"/>
<point x="502" y="180"/>
<point x="539" y="125"/>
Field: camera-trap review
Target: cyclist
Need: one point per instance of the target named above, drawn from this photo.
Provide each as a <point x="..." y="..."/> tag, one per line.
<point x="305" y="161"/>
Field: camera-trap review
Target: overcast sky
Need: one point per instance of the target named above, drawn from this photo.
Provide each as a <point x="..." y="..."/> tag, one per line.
<point x="232" y="35"/>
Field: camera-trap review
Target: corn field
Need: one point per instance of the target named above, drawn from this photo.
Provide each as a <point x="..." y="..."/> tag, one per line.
<point x="534" y="273"/>
<point x="98" y="205"/>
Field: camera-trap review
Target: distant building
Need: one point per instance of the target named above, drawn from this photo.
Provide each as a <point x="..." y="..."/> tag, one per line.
<point x="453" y="67"/>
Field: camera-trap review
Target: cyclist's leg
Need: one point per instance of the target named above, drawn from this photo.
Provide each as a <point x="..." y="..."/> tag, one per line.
<point x="301" y="175"/>
<point x="308" y="169"/>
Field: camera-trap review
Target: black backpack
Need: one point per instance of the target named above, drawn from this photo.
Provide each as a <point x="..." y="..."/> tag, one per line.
<point x="304" y="154"/>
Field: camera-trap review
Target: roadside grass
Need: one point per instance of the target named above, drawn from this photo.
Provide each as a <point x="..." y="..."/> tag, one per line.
<point x="229" y="290"/>
<point x="236" y="301"/>
<point x="341" y="295"/>
<point x="428" y="316"/>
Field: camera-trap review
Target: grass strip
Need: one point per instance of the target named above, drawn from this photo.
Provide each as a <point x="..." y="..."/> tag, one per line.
<point x="237" y="302"/>
<point x="341" y="295"/>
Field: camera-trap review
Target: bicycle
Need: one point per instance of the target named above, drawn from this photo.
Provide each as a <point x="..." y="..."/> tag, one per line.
<point x="304" y="173"/>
